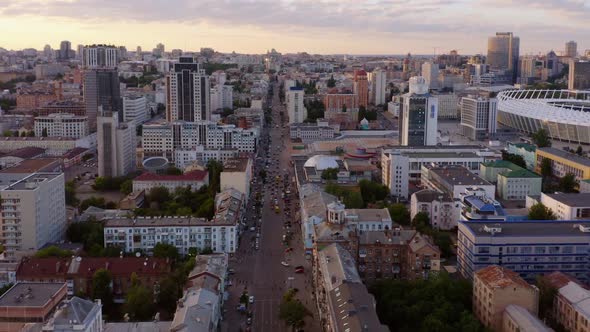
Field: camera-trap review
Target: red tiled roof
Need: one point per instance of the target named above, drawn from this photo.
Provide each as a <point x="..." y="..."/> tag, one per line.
<point x="35" y="268"/>
<point x="74" y="152"/>
<point x="189" y="176"/>
<point x="27" y="152"/>
<point x="499" y="277"/>
<point x="559" y="279"/>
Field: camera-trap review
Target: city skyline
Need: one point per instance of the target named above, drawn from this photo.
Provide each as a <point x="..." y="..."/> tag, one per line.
<point x="326" y="27"/>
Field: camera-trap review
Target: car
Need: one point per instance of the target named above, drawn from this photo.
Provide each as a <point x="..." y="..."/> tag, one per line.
<point x="283" y="263"/>
<point x="251" y="299"/>
<point x="231" y="271"/>
<point x="249" y="321"/>
<point x="299" y="269"/>
<point x="252" y="229"/>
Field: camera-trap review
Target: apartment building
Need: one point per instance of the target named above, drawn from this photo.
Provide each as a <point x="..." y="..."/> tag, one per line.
<point x="454" y="180"/>
<point x="135" y="108"/>
<point x="568" y="206"/>
<point x="116" y="145"/>
<point x="494" y="289"/>
<point x="237" y="174"/>
<point x="198" y="154"/>
<point x="219" y="234"/>
<point x="563" y="162"/>
<point x="295" y="108"/>
<point x="308" y="132"/>
<point x="341" y="291"/>
<point x="33" y="211"/>
<point x="76" y="314"/>
<point x="529" y="248"/>
<point x="163" y="139"/>
<point x="61" y="125"/>
<point x="572" y="307"/>
<point x="518" y="319"/>
<point x="444" y="211"/>
<point x="188" y="92"/>
<point x="193" y="179"/>
<point x="402" y="164"/>
<point x="512" y="181"/>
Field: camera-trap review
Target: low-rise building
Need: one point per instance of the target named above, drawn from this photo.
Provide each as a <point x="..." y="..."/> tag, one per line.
<point x="309" y="132"/>
<point x="563" y="162"/>
<point x="237" y="174"/>
<point x="477" y="205"/>
<point x="402" y="164"/>
<point x="194" y="179"/>
<point x="518" y="319"/>
<point x="495" y="288"/>
<point x="184" y="158"/>
<point x="444" y="211"/>
<point x="512" y="181"/>
<point x="529" y="248"/>
<point x="568" y="206"/>
<point x="61" y="125"/>
<point x="454" y="180"/>
<point x="76" y="315"/>
<point x="78" y="272"/>
<point x="572" y="307"/>
<point x="347" y="170"/>
<point x="340" y="291"/>
<point x="526" y="151"/>
<point x="29" y="302"/>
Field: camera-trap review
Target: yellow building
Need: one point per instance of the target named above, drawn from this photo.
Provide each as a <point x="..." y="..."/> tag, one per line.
<point x="563" y="162"/>
<point x="494" y="289"/>
<point x="572" y="307"/>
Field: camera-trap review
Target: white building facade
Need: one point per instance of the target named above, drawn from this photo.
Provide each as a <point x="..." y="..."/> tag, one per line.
<point x="135" y="108"/>
<point x="295" y="108"/>
<point x="61" y="125"/>
<point x="116" y="146"/>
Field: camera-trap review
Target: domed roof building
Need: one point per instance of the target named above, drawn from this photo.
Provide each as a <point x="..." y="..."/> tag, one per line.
<point x="321" y="162"/>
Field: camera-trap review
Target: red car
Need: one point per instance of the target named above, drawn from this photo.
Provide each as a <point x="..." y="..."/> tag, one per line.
<point x="299" y="269"/>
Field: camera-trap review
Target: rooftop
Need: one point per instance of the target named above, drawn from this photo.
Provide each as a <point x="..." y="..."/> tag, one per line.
<point x="31" y="182"/>
<point x="454" y="175"/>
<point x="368" y="215"/>
<point x="353" y="309"/>
<point x="189" y="176"/>
<point x="215" y="264"/>
<point x="31" y="294"/>
<point x="570" y="199"/>
<point x="337" y="266"/>
<point x="76" y="311"/>
<point x="196" y="312"/>
<point x="495" y="276"/>
<point x="559" y="279"/>
<point x="34" y="165"/>
<point x="574" y="158"/>
<point x="525" y="320"/>
<point x="178" y="221"/>
<point x="578" y="297"/>
<point x="138" y="327"/>
<point x="429" y="195"/>
<point x="530" y="228"/>
<point x="236" y="164"/>
<point x="26" y="152"/>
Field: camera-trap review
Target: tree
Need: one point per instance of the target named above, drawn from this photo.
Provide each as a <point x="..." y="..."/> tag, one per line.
<point x="568" y="183"/>
<point x="101" y="287"/>
<point x="7" y="133"/>
<point x="53" y="251"/>
<point x="541" y="138"/>
<point x="331" y="82"/>
<point x="168" y="295"/>
<point x="159" y="195"/>
<point x="514" y="158"/>
<point x="372" y="191"/>
<point x="399" y="213"/>
<point x="292" y="311"/>
<point x="330" y="174"/>
<point x="31" y="133"/>
<point x="173" y="171"/>
<point x="98" y="202"/>
<point x="70" y="190"/>
<point x="215" y="168"/>
<point x="44" y="132"/>
<point x="127" y="187"/>
<point x="421" y="221"/>
<point x="354" y="200"/>
<point x="579" y="150"/>
<point x="165" y="250"/>
<point x="546" y="168"/>
<point x="139" y="303"/>
<point x="540" y="212"/>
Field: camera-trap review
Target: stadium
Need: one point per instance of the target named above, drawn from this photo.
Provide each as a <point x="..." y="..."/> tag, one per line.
<point x="564" y="114"/>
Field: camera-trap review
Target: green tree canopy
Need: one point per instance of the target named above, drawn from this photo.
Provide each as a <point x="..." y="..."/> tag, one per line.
<point x="541" y="138"/>
<point x="514" y="158"/>
<point x="330" y="174"/>
<point x="292" y="311"/>
<point x="165" y="250"/>
<point x="331" y="82"/>
<point x="53" y="251"/>
<point x="127" y="187"/>
<point x="546" y="168"/>
<point x="101" y="286"/>
<point x="399" y="213"/>
<point x="568" y="183"/>
<point x="139" y="303"/>
<point x="540" y="212"/>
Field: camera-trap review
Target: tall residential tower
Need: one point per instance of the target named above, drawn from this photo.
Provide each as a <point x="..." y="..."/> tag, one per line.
<point x="188" y="92"/>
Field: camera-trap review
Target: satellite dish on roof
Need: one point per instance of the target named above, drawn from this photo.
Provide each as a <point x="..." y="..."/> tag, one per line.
<point x="138" y="254"/>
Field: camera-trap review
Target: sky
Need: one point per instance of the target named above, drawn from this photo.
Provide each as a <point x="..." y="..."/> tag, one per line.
<point x="313" y="26"/>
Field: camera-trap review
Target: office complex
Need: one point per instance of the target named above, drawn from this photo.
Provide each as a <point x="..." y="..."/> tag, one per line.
<point x="163" y="139"/>
<point x="503" y="53"/>
<point x="295" y="108"/>
<point x="378" y="81"/>
<point x="430" y="74"/>
<point x="563" y="162"/>
<point x="571" y="49"/>
<point x="188" y="92"/>
<point x="478" y="117"/>
<point x="568" y="206"/>
<point x="418" y="116"/>
<point x="579" y="75"/>
<point x="135" y="109"/>
<point x="529" y="248"/>
<point x="61" y="125"/>
<point x="564" y="114"/>
<point x="512" y="181"/>
<point x="116" y="146"/>
<point x="448" y="106"/>
<point x="33" y="211"/>
<point x="100" y="56"/>
<point x="101" y="89"/>
<point x="401" y="164"/>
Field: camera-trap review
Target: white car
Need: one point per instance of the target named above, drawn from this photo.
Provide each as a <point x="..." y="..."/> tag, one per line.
<point x="283" y="263"/>
<point x="251" y="299"/>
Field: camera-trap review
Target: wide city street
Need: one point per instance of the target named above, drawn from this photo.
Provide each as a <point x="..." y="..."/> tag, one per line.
<point x="270" y="248"/>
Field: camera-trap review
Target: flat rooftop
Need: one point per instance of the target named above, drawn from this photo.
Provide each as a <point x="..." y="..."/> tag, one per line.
<point x="173" y="221"/>
<point x="453" y="175"/>
<point x="529" y="228"/>
<point x="30" y="294"/>
<point x="31" y="182"/>
<point x="236" y="165"/>
<point x="573" y="200"/>
<point x="566" y="155"/>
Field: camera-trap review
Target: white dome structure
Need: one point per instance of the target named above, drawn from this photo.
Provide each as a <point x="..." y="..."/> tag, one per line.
<point x="321" y="162"/>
